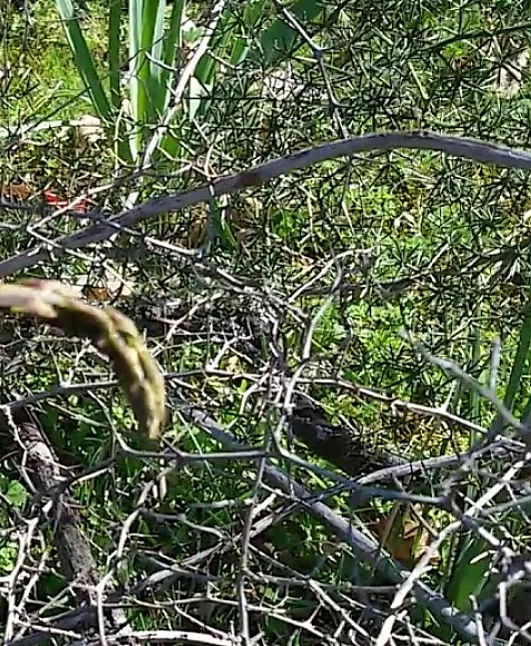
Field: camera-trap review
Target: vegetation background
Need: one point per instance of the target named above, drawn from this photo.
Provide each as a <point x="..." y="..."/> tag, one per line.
<point x="345" y="343"/>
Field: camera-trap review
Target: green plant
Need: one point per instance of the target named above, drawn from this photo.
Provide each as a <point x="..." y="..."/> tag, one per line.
<point x="160" y="69"/>
<point x="111" y="332"/>
<point x="468" y="563"/>
<point x="153" y="51"/>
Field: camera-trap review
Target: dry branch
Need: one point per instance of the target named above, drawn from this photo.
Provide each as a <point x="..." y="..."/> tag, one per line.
<point x="365" y="548"/>
<point x="466" y="148"/>
<point x="46" y="474"/>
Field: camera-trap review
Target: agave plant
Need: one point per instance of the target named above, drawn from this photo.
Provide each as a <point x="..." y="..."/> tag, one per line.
<point x="161" y="43"/>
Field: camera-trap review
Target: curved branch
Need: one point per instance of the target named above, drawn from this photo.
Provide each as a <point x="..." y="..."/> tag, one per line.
<point x="463" y="147"/>
<point x="110" y="331"/>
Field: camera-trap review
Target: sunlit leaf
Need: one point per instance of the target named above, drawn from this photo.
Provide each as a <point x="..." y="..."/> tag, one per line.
<point x="84" y="60"/>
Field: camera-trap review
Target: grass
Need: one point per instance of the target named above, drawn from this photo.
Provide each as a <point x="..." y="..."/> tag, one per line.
<point x="44" y="71"/>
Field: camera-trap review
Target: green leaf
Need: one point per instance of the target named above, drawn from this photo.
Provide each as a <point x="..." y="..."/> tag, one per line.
<point x="137" y="58"/>
<point x="208" y="66"/>
<point x="518" y="368"/>
<point x="114" y="31"/>
<point x="254" y="10"/>
<point x="84" y="60"/>
<point x="153" y="50"/>
<point x="520" y="360"/>
<point x="239" y="52"/>
<point x="469" y="574"/>
<point x="223" y="229"/>
<point x="16" y="494"/>
<point x="8" y="557"/>
<point x="115" y="12"/>
<point x="156" y="10"/>
<point x="172" y="49"/>
<point x="197" y="92"/>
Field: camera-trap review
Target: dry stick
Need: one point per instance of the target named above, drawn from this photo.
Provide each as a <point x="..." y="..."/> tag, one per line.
<point x="467" y="148"/>
<point x="366" y="549"/>
<point x="46" y="474"/>
<point x="173" y="637"/>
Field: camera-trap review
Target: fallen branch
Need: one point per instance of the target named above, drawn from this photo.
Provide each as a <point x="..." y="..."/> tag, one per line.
<point x="366" y="549"/>
<point x="466" y="148"/>
<point x="44" y="471"/>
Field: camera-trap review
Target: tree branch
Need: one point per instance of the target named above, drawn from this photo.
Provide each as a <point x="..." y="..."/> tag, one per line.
<point x="466" y="148"/>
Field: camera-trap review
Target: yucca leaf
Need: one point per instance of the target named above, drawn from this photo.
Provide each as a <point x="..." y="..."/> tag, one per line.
<point x="155" y="47"/>
<point x="169" y="54"/>
<point x="114" y="32"/>
<point x="196" y="93"/>
<point x="475" y="399"/>
<point x="518" y="367"/>
<point x="520" y="360"/>
<point x="205" y="73"/>
<point x="222" y="228"/>
<point x="143" y="18"/>
<point x="469" y="571"/>
<point x="526" y="414"/>
<point x="172" y="50"/>
<point x="136" y="89"/>
<point x="150" y="18"/>
<point x="240" y="49"/>
<point x="115" y="13"/>
<point x="253" y="11"/>
<point x="526" y="332"/>
<point x="84" y="60"/>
